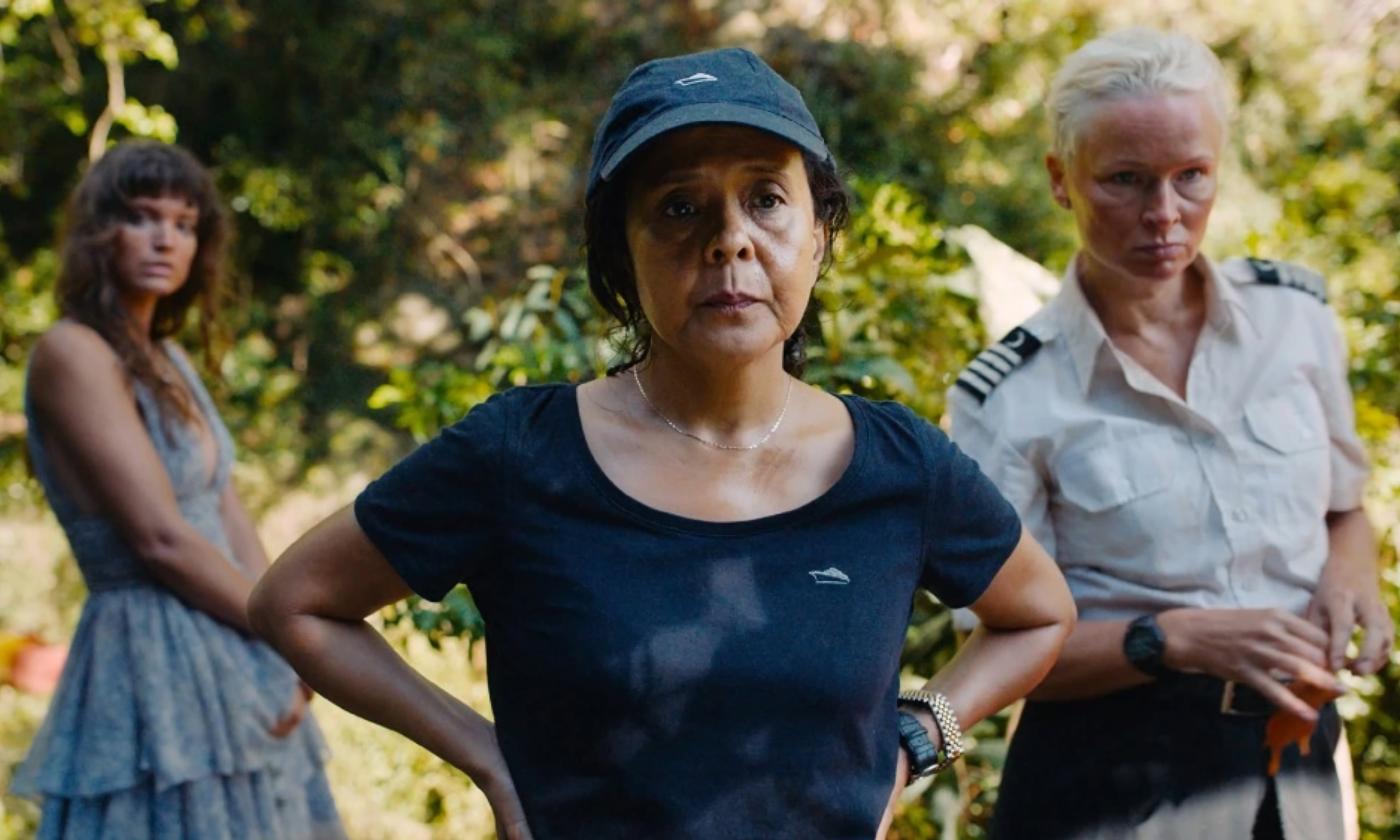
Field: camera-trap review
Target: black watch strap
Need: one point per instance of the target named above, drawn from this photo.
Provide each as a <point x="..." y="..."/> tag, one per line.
<point x="1144" y="645"/>
<point x="923" y="756"/>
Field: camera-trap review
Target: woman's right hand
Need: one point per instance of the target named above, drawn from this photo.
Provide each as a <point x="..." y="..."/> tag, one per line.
<point x="1264" y="648"/>
<point x="310" y="605"/>
<point x="509" y="813"/>
<point x="901" y="780"/>
<point x="289" y="721"/>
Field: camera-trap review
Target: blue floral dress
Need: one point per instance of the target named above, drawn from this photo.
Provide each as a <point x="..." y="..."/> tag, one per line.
<point x="159" y="726"/>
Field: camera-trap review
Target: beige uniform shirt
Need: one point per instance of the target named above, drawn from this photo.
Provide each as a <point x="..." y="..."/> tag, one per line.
<point x="1148" y="501"/>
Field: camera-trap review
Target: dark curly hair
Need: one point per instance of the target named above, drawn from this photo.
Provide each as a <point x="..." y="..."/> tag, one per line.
<point x="87" y="283"/>
<point x="614" y="285"/>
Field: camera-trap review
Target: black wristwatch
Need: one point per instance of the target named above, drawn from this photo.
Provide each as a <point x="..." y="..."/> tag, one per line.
<point x="923" y="755"/>
<point x="1144" y="644"/>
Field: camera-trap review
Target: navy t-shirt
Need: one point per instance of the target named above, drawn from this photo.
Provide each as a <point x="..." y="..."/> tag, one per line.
<point x="654" y="676"/>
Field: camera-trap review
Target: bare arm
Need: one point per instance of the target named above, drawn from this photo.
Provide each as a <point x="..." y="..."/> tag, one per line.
<point x="1348" y="595"/>
<point x="1264" y="648"/>
<point x="242" y="534"/>
<point x="311" y="606"/>
<point x="87" y="415"/>
<point x="1024" y="617"/>
<point x="1250" y="646"/>
<point x="1092" y="663"/>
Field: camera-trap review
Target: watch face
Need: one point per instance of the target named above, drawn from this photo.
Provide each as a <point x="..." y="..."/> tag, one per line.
<point x="1144" y="644"/>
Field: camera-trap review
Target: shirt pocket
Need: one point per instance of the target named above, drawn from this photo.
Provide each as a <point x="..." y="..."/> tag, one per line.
<point x="1289" y="455"/>
<point x="1284" y="424"/>
<point x="1130" y="510"/>
<point x="1115" y="474"/>
<point x="1117" y="499"/>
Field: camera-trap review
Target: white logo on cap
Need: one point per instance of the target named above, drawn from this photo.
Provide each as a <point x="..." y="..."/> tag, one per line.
<point x="696" y="79"/>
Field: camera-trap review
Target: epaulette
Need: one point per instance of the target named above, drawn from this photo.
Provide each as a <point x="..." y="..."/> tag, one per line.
<point x="984" y="373"/>
<point x="1272" y="273"/>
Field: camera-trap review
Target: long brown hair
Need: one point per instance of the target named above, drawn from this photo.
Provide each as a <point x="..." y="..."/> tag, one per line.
<point x="87" y="282"/>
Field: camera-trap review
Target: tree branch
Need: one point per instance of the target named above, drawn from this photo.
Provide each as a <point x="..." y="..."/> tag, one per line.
<point x="116" y="98"/>
<point x="72" y="75"/>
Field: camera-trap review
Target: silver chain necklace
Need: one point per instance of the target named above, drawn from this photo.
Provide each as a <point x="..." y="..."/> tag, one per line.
<point x="636" y="377"/>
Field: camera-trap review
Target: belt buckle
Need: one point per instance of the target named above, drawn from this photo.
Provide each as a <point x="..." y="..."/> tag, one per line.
<point x="1240" y="700"/>
<point x="1227" y="701"/>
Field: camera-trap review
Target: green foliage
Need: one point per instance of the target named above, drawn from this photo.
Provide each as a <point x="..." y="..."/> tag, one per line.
<point x="26" y="310"/>
<point x="897" y="316"/>
<point x="406" y="182"/>
<point x="549" y="330"/>
<point x="454" y="617"/>
<point x="1374" y="735"/>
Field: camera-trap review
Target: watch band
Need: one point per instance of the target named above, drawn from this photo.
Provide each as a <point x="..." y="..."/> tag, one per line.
<point x="914" y="738"/>
<point x="1144" y="643"/>
<point x="950" y="746"/>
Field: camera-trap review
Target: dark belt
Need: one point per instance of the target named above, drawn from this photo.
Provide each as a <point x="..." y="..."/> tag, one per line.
<point x="1104" y="765"/>
<point x="1242" y="699"/>
<point x="1227" y="697"/>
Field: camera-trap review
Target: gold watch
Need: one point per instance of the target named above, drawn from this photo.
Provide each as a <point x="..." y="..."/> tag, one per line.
<point x="950" y="745"/>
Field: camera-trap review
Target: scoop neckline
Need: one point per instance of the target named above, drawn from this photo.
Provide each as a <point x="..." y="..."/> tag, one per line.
<point x="675" y="522"/>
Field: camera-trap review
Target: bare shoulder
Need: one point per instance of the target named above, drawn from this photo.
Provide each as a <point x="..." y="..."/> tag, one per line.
<point x="821" y="417"/>
<point x="603" y="406"/>
<point x="821" y="407"/>
<point x="600" y="392"/>
<point x="72" y="361"/>
<point x="69" y="344"/>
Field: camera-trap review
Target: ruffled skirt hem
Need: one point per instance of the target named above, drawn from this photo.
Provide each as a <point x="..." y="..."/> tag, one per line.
<point x="157" y="693"/>
<point x="245" y="806"/>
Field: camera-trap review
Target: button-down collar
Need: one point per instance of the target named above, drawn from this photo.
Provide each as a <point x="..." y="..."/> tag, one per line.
<point x="1082" y="328"/>
<point x="1151" y="502"/>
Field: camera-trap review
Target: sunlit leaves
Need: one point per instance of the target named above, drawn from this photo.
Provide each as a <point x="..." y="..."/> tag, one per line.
<point x="275" y="196"/>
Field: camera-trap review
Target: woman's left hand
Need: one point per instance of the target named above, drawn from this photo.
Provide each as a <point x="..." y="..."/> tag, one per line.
<point x="287" y="724"/>
<point x="1346" y="599"/>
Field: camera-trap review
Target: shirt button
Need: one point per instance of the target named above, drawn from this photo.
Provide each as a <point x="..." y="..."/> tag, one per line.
<point x="1239" y="515"/>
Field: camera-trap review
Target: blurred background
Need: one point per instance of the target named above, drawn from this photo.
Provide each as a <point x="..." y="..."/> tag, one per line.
<point x="406" y="178"/>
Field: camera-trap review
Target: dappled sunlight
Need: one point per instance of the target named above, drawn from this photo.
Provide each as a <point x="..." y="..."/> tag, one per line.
<point x="408" y="195"/>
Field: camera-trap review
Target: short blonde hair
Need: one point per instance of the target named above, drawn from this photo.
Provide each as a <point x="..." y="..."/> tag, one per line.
<point x="1128" y="63"/>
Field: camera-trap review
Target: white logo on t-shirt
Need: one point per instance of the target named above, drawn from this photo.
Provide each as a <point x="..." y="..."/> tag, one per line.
<point x="831" y="575"/>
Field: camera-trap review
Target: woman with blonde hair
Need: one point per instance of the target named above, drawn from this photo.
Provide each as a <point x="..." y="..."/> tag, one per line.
<point x="1179" y="433"/>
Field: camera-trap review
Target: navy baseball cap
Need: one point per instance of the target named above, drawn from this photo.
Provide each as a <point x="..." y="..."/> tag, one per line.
<point x="731" y="86"/>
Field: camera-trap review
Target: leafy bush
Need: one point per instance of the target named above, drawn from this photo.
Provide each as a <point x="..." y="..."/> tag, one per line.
<point x="407" y="183"/>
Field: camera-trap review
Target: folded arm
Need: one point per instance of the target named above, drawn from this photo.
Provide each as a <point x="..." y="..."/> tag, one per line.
<point x="104" y="456"/>
<point x="311" y="606"/>
<point x="1024" y="617"/>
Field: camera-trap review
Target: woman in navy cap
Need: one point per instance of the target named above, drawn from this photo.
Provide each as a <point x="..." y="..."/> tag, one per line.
<point x="696" y="573"/>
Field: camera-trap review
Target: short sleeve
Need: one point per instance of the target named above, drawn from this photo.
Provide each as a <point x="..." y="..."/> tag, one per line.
<point x="1349" y="465"/>
<point x="433" y="514"/>
<point x="970" y="529"/>
<point x="1016" y="478"/>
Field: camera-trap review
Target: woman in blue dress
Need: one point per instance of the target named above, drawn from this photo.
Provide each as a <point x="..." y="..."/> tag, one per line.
<point x="171" y="720"/>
